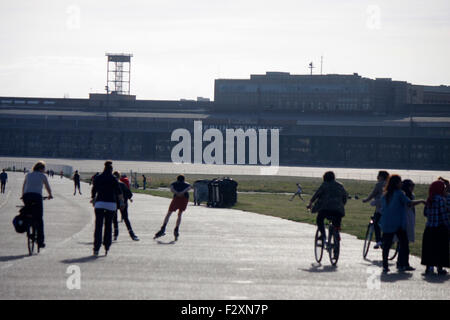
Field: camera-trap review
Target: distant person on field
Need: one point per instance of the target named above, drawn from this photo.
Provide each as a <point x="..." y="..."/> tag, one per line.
<point x="144" y="181"/>
<point x="76" y="182"/>
<point x="180" y="190"/>
<point x="298" y="192"/>
<point x="3" y="180"/>
<point x="61" y="173"/>
<point x="435" y="243"/>
<point x="330" y="200"/>
<point x="376" y="195"/>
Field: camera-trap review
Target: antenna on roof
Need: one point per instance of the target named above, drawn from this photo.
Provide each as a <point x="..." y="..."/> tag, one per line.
<point x="311" y="67"/>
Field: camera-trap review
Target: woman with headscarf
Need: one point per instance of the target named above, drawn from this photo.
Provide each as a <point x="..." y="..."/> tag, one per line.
<point x="435" y="244"/>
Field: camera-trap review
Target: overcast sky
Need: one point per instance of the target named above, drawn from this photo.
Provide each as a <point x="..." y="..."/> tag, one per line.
<point x="57" y="48"/>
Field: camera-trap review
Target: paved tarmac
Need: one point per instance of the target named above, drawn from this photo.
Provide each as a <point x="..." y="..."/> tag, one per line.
<point x="221" y="254"/>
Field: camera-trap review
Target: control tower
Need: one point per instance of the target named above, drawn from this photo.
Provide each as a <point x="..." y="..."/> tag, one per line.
<point x="118" y="73"/>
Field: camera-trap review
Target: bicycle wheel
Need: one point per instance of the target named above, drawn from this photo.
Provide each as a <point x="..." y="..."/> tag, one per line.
<point x="393" y="251"/>
<point x="333" y="245"/>
<point x="30" y="240"/>
<point x="368" y="239"/>
<point x="318" y="246"/>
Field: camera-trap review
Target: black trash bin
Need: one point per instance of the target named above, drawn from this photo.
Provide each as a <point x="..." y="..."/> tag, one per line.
<point x="222" y="193"/>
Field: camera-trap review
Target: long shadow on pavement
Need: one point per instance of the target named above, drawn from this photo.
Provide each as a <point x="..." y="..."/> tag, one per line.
<point x="393" y="277"/>
<point x="10" y="258"/>
<point x="162" y="242"/>
<point x="81" y="260"/>
<point x="316" y="267"/>
<point x="435" y="278"/>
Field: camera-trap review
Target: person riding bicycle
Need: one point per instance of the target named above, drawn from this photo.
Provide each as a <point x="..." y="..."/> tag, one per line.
<point x="376" y="195"/>
<point x="330" y="200"/>
<point x="32" y="196"/>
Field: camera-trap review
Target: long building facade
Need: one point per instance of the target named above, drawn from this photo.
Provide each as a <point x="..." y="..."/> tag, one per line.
<point x="332" y="120"/>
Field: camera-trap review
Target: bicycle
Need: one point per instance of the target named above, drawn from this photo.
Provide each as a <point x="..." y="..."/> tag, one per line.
<point x="330" y="242"/>
<point x="31" y="228"/>
<point x="368" y="239"/>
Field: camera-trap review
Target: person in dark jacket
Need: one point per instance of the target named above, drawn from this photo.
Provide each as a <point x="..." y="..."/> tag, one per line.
<point x="127" y="195"/>
<point x="105" y="195"/>
<point x="76" y="182"/>
<point x="330" y="199"/>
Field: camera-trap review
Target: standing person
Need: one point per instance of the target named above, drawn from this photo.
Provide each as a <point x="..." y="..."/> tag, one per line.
<point x="435" y="243"/>
<point x="76" y="181"/>
<point x="408" y="188"/>
<point x="144" y="181"/>
<point x="330" y="200"/>
<point x="299" y="192"/>
<point x="127" y="195"/>
<point x="179" y="202"/>
<point x="105" y="195"/>
<point x="3" y="180"/>
<point x="61" y="173"/>
<point x="393" y="222"/>
<point x="32" y="196"/>
<point x="376" y="194"/>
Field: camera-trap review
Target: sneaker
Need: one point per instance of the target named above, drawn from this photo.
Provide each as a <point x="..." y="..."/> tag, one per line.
<point x="115" y="238"/>
<point x="159" y="234"/>
<point x="134" y="237"/>
<point x="95" y="252"/>
<point x="386" y="270"/>
<point x="41" y="246"/>
<point x="377" y="245"/>
<point x="409" y="268"/>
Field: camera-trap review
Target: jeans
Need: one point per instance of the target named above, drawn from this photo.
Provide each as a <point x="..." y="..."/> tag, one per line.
<point x="106" y="217"/>
<point x="403" y="250"/>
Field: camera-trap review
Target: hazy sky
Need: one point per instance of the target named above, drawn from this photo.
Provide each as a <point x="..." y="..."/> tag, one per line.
<point x="53" y="48"/>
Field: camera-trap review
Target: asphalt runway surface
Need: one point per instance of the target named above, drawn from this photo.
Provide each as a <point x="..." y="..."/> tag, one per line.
<point x="221" y="254"/>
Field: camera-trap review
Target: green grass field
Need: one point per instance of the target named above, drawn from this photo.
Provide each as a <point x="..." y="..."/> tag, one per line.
<point x="272" y="195"/>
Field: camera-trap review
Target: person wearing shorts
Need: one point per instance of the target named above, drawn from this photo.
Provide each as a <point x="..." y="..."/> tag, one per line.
<point x="179" y="202"/>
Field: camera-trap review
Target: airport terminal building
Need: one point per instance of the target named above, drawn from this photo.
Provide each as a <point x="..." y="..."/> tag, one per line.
<point x="323" y="120"/>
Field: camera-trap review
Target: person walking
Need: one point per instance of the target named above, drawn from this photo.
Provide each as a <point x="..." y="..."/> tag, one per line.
<point x="376" y="194"/>
<point x="105" y="195"/>
<point x="393" y="222"/>
<point x="127" y="195"/>
<point x="435" y="243"/>
<point x="32" y="197"/>
<point x="76" y="181"/>
<point x="180" y="190"/>
<point x="329" y="201"/>
<point x="298" y="192"/>
<point x="3" y="180"/>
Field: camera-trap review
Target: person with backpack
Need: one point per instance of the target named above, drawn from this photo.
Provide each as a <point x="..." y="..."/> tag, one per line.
<point x="127" y="195"/>
<point x="180" y="190"/>
<point x="32" y="197"/>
